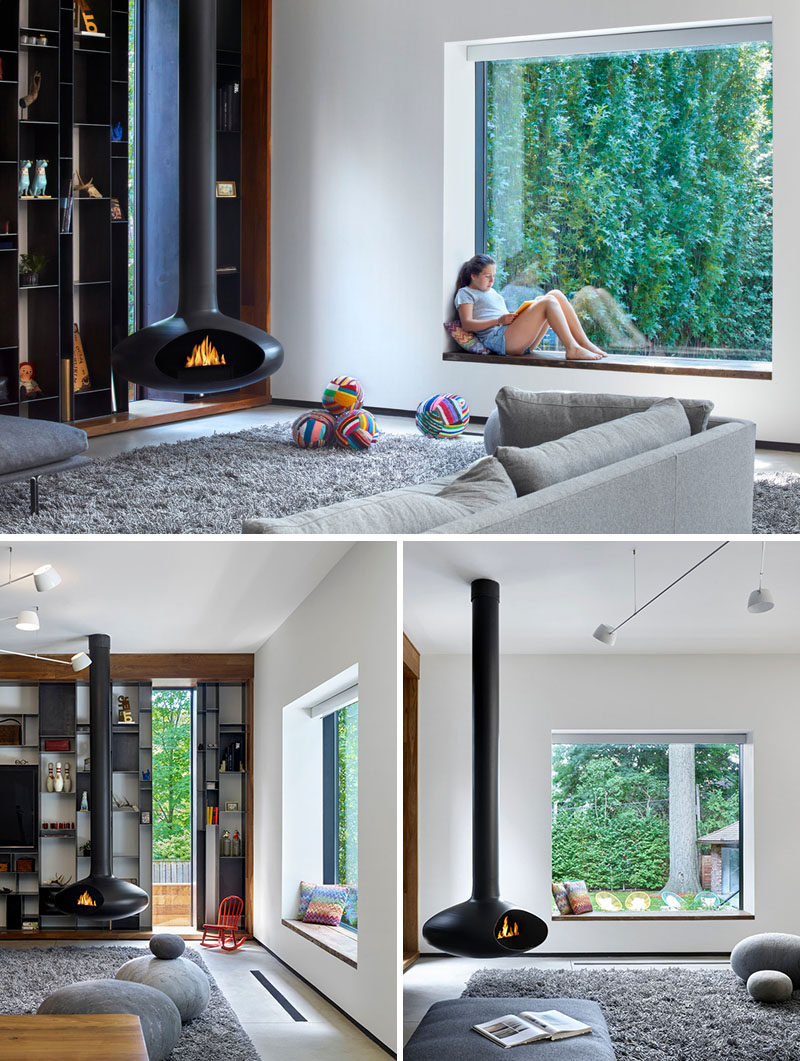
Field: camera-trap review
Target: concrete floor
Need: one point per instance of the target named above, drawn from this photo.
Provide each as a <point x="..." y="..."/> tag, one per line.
<point x="432" y="979"/>
<point x="110" y="445"/>
<point x="325" y="1036"/>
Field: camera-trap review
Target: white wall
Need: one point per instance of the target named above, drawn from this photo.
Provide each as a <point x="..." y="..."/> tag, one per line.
<point x="372" y="197"/>
<point x="539" y="694"/>
<point x="350" y="618"/>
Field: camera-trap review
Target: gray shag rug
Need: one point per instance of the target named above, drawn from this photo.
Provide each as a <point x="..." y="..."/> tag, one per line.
<point x="27" y="976"/>
<point x="210" y="485"/>
<point x="776" y="503"/>
<point x="664" y="1014"/>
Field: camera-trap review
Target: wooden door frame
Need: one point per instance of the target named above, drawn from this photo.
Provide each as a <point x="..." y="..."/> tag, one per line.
<point x="411" y="670"/>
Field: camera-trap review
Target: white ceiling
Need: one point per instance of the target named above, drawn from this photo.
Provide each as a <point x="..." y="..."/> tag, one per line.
<point x="162" y="596"/>
<point x="554" y="594"/>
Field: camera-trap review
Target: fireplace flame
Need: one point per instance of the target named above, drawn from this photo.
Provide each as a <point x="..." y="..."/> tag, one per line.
<point x="204" y="355"/>
<point x="86" y="900"/>
<point x="508" y="930"/>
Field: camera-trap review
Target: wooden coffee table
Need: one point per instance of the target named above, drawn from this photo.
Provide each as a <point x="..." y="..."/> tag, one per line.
<point x="72" y="1037"/>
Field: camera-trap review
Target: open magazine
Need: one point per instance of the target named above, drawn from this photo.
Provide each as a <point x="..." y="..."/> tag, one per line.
<point x="526" y="1027"/>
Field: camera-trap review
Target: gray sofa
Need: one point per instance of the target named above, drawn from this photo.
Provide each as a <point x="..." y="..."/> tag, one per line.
<point x="699" y="484"/>
<point x="32" y="448"/>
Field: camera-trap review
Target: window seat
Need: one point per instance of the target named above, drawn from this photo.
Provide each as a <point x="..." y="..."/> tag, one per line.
<point x="675" y="366"/>
<point x="658" y="915"/>
<point x="336" y="941"/>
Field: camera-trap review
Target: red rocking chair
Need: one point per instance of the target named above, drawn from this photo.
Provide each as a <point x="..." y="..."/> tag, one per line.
<point x="225" y="930"/>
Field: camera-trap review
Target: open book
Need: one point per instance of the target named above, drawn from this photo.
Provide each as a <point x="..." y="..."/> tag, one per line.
<point x="516" y="1029"/>
<point x="524" y="306"/>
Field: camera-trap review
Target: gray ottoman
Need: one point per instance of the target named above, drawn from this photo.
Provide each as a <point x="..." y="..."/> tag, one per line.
<point x="769" y="985"/>
<point x="445" y="1032"/>
<point x="30" y="448"/>
<point x="181" y="980"/>
<point x="161" y="1022"/>
<point x="768" y="950"/>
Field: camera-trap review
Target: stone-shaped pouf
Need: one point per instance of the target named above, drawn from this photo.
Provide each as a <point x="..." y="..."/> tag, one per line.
<point x="769" y="985"/>
<point x="159" y="1016"/>
<point x="181" y="980"/>
<point x="768" y="950"/>
<point x="167" y="945"/>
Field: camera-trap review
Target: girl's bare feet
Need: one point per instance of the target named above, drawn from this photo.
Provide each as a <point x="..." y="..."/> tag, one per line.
<point x="579" y="353"/>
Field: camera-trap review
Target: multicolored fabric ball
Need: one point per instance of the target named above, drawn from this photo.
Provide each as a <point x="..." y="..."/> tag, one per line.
<point x="443" y="416"/>
<point x="313" y="429"/>
<point x="356" y="430"/>
<point x="343" y="395"/>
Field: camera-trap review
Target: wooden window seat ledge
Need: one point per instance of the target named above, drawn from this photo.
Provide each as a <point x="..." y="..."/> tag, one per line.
<point x="670" y="366"/>
<point x="336" y="941"/>
<point x="659" y="915"/>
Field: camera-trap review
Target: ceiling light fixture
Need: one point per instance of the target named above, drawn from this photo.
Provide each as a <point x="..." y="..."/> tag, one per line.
<point x="45" y="577"/>
<point x="26" y="620"/>
<point x="608" y="634"/>
<point x="761" y="599"/>
<point x="80" y="661"/>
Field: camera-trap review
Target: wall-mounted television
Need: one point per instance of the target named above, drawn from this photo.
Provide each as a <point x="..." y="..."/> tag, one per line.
<point x="19" y="801"/>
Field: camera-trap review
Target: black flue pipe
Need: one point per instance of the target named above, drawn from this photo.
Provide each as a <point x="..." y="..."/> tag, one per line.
<point x="100" y="778"/>
<point x="485" y="733"/>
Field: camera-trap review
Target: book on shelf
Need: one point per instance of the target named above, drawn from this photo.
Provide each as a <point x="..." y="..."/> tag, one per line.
<point x="229" y="107"/>
<point x="514" y="1029"/>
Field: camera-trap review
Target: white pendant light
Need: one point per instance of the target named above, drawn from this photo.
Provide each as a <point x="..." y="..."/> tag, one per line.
<point x="80" y="661"/>
<point x="45" y="578"/>
<point x="606" y="634"/>
<point x="761" y="599"/>
<point x="27" y="620"/>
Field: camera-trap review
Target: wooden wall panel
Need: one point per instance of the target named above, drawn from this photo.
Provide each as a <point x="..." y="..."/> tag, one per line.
<point x="410" y="803"/>
<point x="208" y="667"/>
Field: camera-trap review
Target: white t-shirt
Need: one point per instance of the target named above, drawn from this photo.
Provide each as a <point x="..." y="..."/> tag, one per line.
<point x="487" y="305"/>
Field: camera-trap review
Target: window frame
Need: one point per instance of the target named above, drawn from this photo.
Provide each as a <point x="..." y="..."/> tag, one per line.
<point x="330" y="798"/>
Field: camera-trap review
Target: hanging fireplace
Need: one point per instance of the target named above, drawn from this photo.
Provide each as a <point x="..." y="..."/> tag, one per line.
<point x="101" y="895"/>
<point x="175" y="354"/>
<point x="485" y="926"/>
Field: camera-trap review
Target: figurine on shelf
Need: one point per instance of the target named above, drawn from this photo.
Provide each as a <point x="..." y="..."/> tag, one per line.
<point x="24" y="191"/>
<point x="86" y="186"/>
<point x="236" y="845"/>
<point x="51" y="781"/>
<point x="39" y="189"/>
<point x="116" y="131"/>
<point x="125" y="715"/>
<point x="145" y="775"/>
<point x="33" y="91"/>
<point x="81" y="380"/>
<point x="28" y="387"/>
<point x="84" y="800"/>
<point x="225" y="844"/>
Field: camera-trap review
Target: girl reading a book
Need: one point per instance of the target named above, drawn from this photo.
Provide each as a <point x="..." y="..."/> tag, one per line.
<point x="483" y="310"/>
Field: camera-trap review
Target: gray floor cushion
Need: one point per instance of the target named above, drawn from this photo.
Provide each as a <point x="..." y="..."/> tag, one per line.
<point x="445" y="1032"/>
<point x="28" y="443"/>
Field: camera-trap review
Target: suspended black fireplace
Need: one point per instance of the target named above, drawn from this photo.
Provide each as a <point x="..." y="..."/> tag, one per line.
<point x="198" y="350"/>
<point x="101" y="895"/>
<point x="485" y="926"/>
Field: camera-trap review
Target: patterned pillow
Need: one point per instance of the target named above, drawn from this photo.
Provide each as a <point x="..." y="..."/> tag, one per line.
<point x="326" y="905"/>
<point x="466" y="340"/>
<point x="350" y="915"/>
<point x="578" y="896"/>
<point x="561" y="898"/>
<point x="306" y="890"/>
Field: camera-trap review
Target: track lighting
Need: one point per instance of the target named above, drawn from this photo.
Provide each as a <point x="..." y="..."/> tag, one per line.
<point x="761" y="599"/>
<point x="80" y="661"/>
<point x="608" y="634"/>
<point x="44" y="578"/>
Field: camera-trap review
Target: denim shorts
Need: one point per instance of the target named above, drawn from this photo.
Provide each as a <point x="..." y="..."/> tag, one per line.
<point x="494" y="339"/>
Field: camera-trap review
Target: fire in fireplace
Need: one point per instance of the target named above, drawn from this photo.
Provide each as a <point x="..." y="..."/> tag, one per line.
<point x="204" y="354"/>
<point x="85" y="900"/>
<point x="485" y="926"/>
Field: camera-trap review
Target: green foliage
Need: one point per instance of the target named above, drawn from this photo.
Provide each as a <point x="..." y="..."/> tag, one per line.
<point x="172" y="786"/>
<point x="649" y="174"/>
<point x="31" y="264"/>
<point x="347" y="718"/>
<point x="611" y="810"/>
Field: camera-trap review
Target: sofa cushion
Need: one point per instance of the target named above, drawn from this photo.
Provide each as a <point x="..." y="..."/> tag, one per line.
<point x="468" y="341"/>
<point x="536" y="467"/>
<point x="403" y="511"/>
<point x="528" y="418"/>
<point x="28" y="443"/>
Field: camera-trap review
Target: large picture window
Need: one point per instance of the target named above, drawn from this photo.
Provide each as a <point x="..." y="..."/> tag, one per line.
<point x="340" y="801"/>
<point x="640" y="183"/>
<point x="649" y="827"/>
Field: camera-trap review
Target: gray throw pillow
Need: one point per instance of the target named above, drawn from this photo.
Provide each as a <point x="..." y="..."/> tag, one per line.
<point x="404" y="511"/>
<point x="535" y="467"/>
<point x="528" y="418"/>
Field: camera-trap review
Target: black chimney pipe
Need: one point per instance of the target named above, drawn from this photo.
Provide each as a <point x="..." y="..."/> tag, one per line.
<point x="485" y="926"/>
<point x="101" y="895"/>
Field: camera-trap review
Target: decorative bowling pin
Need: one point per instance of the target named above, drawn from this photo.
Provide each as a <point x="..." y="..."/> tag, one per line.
<point x="51" y="781"/>
<point x="59" y="779"/>
<point x="67" y="778"/>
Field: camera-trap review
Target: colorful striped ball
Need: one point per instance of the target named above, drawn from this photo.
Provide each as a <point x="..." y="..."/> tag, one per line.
<point x="443" y="416"/>
<point x="313" y="429"/>
<point x="356" y="430"/>
<point x="342" y="395"/>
